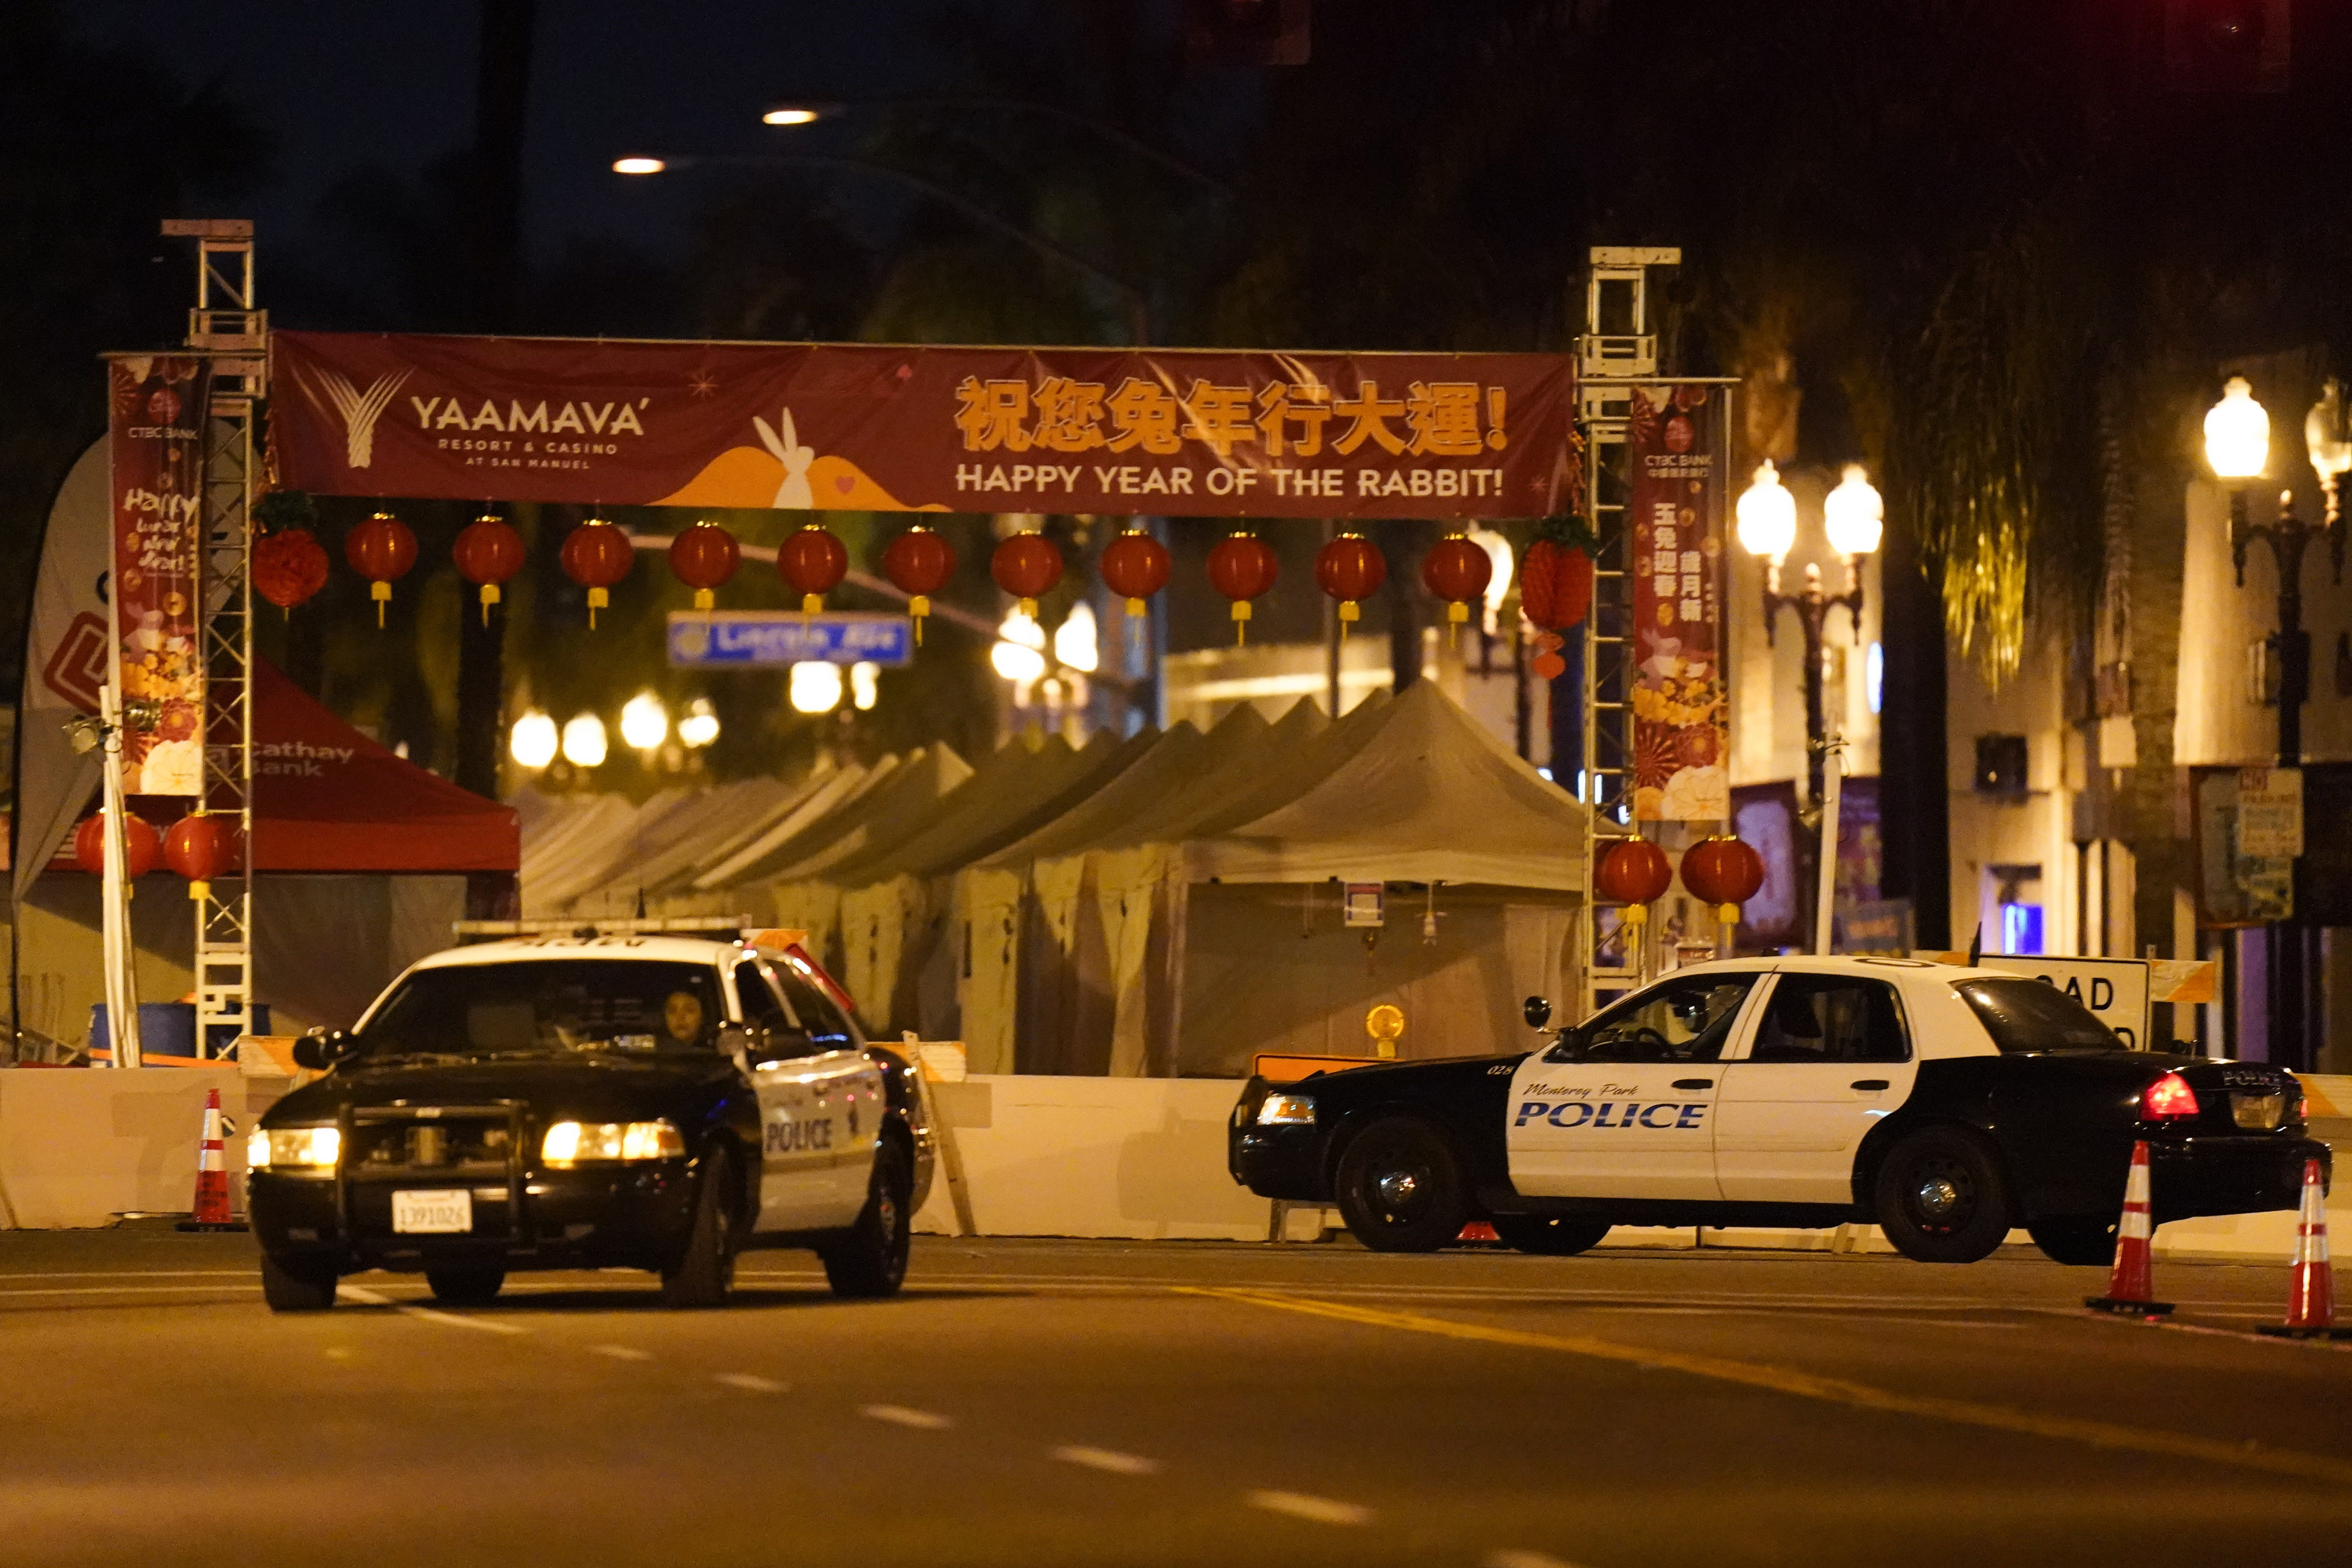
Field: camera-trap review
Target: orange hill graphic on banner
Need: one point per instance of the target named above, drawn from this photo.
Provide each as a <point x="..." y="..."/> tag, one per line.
<point x="748" y="477"/>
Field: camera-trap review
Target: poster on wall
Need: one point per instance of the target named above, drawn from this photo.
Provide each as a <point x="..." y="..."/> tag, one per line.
<point x="2235" y="887"/>
<point x="1681" y="716"/>
<point x="889" y="428"/>
<point x="156" y="409"/>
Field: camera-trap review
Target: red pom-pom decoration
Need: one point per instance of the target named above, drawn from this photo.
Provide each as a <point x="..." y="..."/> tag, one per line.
<point x="200" y="846"/>
<point x="704" y="557"/>
<point x="919" y="563"/>
<point x="1134" y="566"/>
<point x="141" y="845"/>
<point x="489" y="552"/>
<point x="382" y="550"/>
<point x="598" y="554"/>
<point x="1351" y="569"/>
<point x="1555" y="584"/>
<point x="290" y="567"/>
<point x="813" y="563"/>
<point x="1242" y="567"/>
<point x="1027" y="567"/>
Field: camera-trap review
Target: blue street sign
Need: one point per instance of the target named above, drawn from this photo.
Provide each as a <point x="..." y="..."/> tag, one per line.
<point x="768" y="638"/>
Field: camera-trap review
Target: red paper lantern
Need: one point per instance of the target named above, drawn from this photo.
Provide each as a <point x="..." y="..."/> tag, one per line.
<point x="1351" y="569"/>
<point x="1458" y="571"/>
<point x="1026" y="565"/>
<point x="704" y="557"/>
<point x="382" y="550"/>
<point x="813" y="563"/>
<point x="488" y="554"/>
<point x="289" y="566"/>
<point x="1134" y="566"/>
<point x="919" y="563"/>
<point x="1725" y="872"/>
<point x="200" y="846"/>
<point x="1555" y="584"/>
<point x="1242" y="567"/>
<point x="141" y="845"/>
<point x="1632" y="873"/>
<point x="597" y="555"/>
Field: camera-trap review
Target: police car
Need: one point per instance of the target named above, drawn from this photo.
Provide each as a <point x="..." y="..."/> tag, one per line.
<point x="1944" y="1104"/>
<point x="593" y="1100"/>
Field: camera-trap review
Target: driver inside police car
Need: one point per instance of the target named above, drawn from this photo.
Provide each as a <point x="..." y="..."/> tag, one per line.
<point x="682" y="1017"/>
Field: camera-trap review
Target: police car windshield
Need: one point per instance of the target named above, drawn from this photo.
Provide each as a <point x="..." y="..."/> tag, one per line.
<point x="548" y="1007"/>
<point x="2026" y="1016"/>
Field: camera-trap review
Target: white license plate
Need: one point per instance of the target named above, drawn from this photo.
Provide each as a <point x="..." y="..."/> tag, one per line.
<point x="430" y="1213"/>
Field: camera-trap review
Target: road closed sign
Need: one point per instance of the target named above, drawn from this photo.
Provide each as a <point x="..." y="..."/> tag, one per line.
<point x="2114" y="989"/>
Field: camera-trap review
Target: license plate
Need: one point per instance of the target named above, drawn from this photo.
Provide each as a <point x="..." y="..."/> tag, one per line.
<point x="432" y="1213"/>
<point x="2257" y="1112"/>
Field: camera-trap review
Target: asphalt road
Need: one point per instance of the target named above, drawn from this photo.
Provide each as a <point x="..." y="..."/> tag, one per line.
<point x="1045" y="1402"/>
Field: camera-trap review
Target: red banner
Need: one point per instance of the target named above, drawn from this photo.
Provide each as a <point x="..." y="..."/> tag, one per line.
<point x="836" y="427"/>
<point x="1682" y="736"/>
<point x="157" y="405"/>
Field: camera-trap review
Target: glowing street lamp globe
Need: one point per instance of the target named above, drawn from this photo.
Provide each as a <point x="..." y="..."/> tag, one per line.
<point x="584" y="741"/>
<point x="533" y="740"/>
<point x="816" y="687"/>
<point x="699" y="728"/>
<point x="645" y="723"/>
<point x="1854" y="515"/>
<point x="1768" y="515"/>
<point x="2237" y="433"/>
<point x="638" y="165"/>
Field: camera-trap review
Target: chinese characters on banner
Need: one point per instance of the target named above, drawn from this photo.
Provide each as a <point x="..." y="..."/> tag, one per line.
<point x="856" y="428"/>
<point x="1681" y="717"/>
<point x="157" y="406"/>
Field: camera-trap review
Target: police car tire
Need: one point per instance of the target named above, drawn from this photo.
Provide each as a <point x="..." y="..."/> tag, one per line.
<point x="465" y="1287"/>
<point x="297" y="1287"/>
<point x="2078" y="1242"/>
<point x="705" y="1269"/>
<point x="1550" y="1235"/>
<point x="1970" y="1176"/>
<point x="870" y="1261"/>
<point x="1436" y="1204"/>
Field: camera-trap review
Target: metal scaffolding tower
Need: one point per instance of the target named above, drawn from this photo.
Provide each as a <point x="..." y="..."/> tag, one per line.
<point x="227" y="325"/>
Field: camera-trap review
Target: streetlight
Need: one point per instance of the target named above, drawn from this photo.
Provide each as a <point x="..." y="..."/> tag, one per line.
<point x="815" y="686"/>
<point x="2237" y="446"/>
<point x="1854" y="517"/>
<point x="583" y="741"/>
<point x="532" y="741"/>
<point x="699" y="728"/>
<point x="645" y="723"/>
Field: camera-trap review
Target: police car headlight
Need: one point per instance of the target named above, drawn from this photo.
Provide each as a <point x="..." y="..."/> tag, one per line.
<point x="577" y="1143"/>
<point x="294" y="1148"/>
<point x="1287" y="1111"/>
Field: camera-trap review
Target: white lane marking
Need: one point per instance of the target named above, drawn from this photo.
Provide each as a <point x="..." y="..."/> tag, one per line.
<point x="1320" y="1510"/>
<point x="371" y="1299"/>
<point x="750" y="1385"/>
<point x="899" y="1415"/>
<point x="1107" y="1460"/>
<point x="1525" y="1559"/>
<point x="134" y="1290"/>
<point x="135" y="1274"/>
<point x="622" y="1353"/>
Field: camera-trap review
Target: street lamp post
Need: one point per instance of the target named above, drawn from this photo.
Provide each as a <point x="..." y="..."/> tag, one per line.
<point x="1852" y="517"/>
<point x="2237" y="446"/>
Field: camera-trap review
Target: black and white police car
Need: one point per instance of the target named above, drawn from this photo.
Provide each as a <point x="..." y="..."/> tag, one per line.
<point x="1944" y="1104"/>
<point x="584" y="1101"/>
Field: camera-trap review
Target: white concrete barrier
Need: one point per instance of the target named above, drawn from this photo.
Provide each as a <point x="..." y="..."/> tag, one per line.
<point x="80" y="1146"/>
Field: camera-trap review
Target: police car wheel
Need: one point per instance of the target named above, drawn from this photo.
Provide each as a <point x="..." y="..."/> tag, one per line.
<point x="465" y="1287"/>
<point x="705" y="1269"/>
<point x="1401" y="1188"/>
<point x="871" y="1261"/>
<point x="2079" y="1242"/>
<point x="1551" y="1236"/>
<point x="297" y="1287"/>
<point x="1942" y="1197"/>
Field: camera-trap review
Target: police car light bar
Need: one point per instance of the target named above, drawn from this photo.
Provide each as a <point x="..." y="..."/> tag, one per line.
<point x="730" y="924"/>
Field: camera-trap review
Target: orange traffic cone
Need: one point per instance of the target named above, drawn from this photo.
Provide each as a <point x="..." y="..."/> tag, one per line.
<point x="2131" y="1288"/>
<point x="1477" y="1230"/>
<point x="212" y="1174"/>
<point x="2311" y="1288"/>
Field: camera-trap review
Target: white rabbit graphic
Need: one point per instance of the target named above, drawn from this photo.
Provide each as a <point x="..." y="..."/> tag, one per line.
<point x="793" y="494"/>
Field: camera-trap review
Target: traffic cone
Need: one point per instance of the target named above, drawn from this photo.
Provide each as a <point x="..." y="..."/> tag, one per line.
<point x="1477" y="1230"/>
<point x="2130" y="1287"/>
<point x="211" y="1175"/>
<point x="2311" y="1288"/>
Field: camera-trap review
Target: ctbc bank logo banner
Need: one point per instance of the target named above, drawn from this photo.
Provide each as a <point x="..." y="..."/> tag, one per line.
<point x="863" y="427"/>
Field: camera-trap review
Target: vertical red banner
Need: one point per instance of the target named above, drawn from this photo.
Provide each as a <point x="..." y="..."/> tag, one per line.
<point x="157" y="408"/>
<point x="1680" y="715"/>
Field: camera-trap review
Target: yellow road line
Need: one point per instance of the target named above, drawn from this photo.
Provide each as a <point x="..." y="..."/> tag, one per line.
<point x="1829" y="1390"/>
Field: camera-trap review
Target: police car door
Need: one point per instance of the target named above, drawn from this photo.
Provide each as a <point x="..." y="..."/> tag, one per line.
<point x="798" y="1081"/>
<point x="854" y="1085"/>
<point x="1624" y="1106"/>
<point x="1828" y="1057"/>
